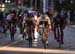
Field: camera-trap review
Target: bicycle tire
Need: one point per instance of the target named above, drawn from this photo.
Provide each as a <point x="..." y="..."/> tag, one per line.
<point x="44" y="44"/>
<point x="30" y="37"/>
<point x="44" y="39"/>
<point x="59" y="36"/>
<point x="30" y="42"/>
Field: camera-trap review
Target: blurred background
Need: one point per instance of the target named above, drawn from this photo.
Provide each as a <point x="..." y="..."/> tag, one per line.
<point x="67" y="6"/>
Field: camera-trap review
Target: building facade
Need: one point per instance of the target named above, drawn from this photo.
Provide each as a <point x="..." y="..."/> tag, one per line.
<point x="40" y="5"/>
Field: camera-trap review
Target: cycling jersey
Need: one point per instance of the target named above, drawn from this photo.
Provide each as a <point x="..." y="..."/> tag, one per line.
<point x="43" y="22"/>
<point x="46" y="21"/>
<point x="59" y="20"/>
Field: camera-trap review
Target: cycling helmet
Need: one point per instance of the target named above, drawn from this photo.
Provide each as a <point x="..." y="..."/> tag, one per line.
<point x="43" y="16"/>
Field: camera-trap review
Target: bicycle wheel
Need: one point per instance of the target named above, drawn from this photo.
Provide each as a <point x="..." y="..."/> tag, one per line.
<point x="30" y="37"/>
<point x="30" y="42"/>
<point x="44" y="39"/>
<point x="59" y="37"/>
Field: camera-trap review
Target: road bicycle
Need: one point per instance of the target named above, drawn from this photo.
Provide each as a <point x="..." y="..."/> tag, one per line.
<point x="58" y="32"/>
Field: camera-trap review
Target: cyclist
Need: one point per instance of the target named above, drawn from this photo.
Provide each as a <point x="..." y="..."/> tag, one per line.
<point x="46" y="20"/>
<point x="62" y="22"/>
<point x="29" y="23"/>
<point x="9" y="17"/>
<point x="29" y="28"/>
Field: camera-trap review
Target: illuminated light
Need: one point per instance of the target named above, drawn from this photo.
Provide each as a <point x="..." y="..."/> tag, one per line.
<point x="36" y="50"/>
<point x="3" y="5"/>
<point x="3" y="9"/>
<point x="6" y="1"/>
<point x="71" y="1"/>
<point x="9" y="1"/>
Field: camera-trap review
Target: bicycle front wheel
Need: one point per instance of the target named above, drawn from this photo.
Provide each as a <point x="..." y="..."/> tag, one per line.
<point x="44" y="39"/>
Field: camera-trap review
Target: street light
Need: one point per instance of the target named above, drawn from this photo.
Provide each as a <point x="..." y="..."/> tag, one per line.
<point x="2" y="7"/>
<point x="7" y="1"/>
<point x="71" y="1"/>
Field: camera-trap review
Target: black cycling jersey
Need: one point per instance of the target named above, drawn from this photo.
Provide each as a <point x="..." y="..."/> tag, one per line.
<point x="60" y="21"/>
<point x="29" y="23"/>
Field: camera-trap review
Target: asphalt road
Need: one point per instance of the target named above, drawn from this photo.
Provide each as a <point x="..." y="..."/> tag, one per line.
<point x="21" y="46"/>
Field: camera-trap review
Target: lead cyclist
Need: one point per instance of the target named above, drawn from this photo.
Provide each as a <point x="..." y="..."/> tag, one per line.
<point x="46" y="20"/>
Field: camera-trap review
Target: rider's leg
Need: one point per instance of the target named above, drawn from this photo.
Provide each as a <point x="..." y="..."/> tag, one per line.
<point x="33" y="32"/>
<point x="55" y="35"/>
<point x="24" y="33"/>
<point x="47" y="34"/>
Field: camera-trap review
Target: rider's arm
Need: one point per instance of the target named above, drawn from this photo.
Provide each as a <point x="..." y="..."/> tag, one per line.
<point x="37" y="24"/>
<point x="49" y="22"/>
